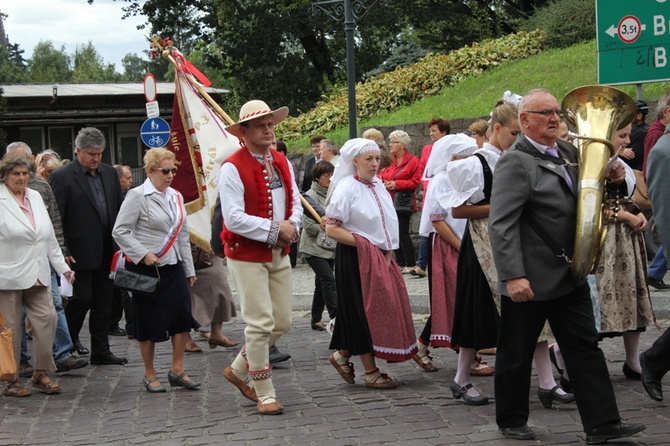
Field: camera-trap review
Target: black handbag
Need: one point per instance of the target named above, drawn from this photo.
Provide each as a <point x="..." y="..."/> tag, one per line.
<point x="403" y="201"/>
<point x="137" y="284"/>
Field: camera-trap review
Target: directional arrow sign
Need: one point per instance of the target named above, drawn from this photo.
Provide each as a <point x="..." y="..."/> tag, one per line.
<point x="633" y="41"/>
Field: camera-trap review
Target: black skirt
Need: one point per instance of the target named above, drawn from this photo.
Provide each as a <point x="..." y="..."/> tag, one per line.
<point x="169" y="311"/>
<point x="476" y="319"/>
<point x="351" y="331"/>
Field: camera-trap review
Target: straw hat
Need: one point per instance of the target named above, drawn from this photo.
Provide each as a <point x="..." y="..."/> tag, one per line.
<point x="255" y="109"/>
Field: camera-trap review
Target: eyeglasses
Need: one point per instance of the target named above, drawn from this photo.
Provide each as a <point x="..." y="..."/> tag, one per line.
<point x="167" y="171"/>
<point x="548" y="112"/>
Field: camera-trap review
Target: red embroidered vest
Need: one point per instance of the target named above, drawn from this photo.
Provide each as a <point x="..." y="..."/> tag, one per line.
<point x="258" y="202"/>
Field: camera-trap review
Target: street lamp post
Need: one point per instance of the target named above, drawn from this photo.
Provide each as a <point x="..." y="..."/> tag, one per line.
<point x="352" y="10"/>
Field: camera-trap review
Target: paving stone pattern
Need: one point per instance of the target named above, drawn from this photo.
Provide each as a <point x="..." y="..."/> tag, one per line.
<point x="105" y="405"/>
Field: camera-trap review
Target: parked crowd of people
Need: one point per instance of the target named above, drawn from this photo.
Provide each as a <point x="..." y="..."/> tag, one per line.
<point x="495" y="205"/>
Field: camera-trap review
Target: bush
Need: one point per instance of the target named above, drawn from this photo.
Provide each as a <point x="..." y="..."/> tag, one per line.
<point x="564" y="22"/>
<point x="403" y="86"/>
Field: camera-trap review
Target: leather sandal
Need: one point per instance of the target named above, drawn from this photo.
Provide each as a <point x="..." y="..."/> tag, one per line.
<point x="382" y="381"/>
<point x="271" y="408"/>
<point x="347" y="376"/>
<point x="425" y="361"/>
<point x="49" y="386"/>
<point x="15" y="388"/>
<point x="213" y="343"/>
<point x="192" y="347"/>
<point x="480" y="368"/>
<point x="247" y="392"/>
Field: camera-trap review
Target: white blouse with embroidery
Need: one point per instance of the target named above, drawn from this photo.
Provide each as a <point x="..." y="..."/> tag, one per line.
<point x="367" y="210"/>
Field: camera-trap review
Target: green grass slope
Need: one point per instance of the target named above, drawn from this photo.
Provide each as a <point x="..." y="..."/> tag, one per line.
<point x="557" y="70"/>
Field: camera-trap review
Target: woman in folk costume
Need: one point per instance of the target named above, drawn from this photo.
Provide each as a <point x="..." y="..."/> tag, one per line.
<point x="445" y="233"/>
<point x="374" y="319"/>
<point x="476" y="318"/>
<point x="621" y="295"/>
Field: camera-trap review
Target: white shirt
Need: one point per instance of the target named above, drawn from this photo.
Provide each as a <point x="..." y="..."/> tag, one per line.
<point x="231" y="192"/>
<point x="366" y="211"/>
<point x="434" y="211"/>
<point x="467" y="175"/>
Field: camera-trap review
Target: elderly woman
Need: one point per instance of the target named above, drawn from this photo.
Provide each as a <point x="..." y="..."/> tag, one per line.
<point x="29" y="244"/>
<point x="151" y="231"/>
<point x="329" y="151"/>
<point x="374" y="318"/>
<point x="401" y="179"/>
<point x="319" y="256"/>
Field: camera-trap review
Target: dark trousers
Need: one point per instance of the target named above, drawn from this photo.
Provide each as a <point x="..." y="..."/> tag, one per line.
<point x="571" y="320"/>
<point x="92" y="290"/>
<point x="658" y="356"/>
<point x="121" y="304"/>
<point x="405" y="254"/>
<point x="325" y="293"/>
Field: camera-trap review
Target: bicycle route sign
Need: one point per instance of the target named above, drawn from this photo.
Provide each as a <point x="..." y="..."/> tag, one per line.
<point x="155" y="132"/>
<point x="633" y="41"/>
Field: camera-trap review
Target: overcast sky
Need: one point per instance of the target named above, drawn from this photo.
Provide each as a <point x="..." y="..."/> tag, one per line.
<point x="72" y="23"/>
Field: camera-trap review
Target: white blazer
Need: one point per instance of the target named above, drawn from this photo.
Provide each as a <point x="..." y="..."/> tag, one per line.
<point x="25" y="252"/>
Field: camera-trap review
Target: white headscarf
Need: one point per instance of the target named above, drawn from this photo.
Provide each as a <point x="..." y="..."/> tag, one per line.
<point x="350" y="150"/>
<point x="444" y="150"/>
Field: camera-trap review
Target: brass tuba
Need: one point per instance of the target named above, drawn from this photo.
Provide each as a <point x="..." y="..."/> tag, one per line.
<point x="597" y="112"/>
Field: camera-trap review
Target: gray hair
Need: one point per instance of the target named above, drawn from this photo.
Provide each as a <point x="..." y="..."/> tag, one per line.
<point x="13" y="160"/>
<point x="330" y="145"/>
<point x="401" y="136"/>
<point x="663" y="103"/>
<point x="523" y="103"/>
<point x="89" y="138"/>
<point x="19" y="145"/>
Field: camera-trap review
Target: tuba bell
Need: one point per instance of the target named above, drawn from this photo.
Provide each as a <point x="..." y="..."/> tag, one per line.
<point x="597" y="112"/>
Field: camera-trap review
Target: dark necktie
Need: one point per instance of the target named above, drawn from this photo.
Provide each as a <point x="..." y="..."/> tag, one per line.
<point x="553" y="151"/>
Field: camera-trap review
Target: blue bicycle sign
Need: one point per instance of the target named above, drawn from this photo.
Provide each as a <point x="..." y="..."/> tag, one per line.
<point x="155" y="132"/>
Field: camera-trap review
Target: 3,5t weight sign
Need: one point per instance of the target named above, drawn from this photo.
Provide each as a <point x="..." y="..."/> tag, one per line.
<point x="633" y="41"/>
<point x="629" y="29"/>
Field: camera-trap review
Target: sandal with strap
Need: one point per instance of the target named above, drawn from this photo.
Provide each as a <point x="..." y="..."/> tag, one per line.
<point x="49" y="386"/>
<point x="15" y="388"/>
<point x="425" y="361"/>
<point x="382" y="381"/>
<point x="347" y="376"/>
<point x="480" y="368"/>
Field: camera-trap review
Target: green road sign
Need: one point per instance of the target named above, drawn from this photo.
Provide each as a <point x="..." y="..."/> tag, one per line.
<point x="633" y="41"/>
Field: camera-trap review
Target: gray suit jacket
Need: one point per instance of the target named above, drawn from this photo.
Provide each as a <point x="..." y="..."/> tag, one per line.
<point x="658" y="166"/>
<point x="143" y="223"/>
<point x="528" y="188"/>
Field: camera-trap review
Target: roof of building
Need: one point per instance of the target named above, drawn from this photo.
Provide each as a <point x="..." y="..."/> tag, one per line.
<point x="109" y="89"/>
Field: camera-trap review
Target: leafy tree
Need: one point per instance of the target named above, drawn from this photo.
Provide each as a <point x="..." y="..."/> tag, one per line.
<point x="3" y="108"/>
<point x="134" y="67"/>
<point x="48" y="65"/>
<point x="565" y="22"/>
<point x="12" y="66"/>
<point x="280" y="51"/>
<point x="89" y="66"/>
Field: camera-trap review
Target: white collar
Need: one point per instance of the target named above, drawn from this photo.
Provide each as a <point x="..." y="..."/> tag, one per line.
<point x="149" y="189"/>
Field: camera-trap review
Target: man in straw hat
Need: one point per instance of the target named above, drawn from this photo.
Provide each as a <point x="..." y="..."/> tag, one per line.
<point x="261" y="213"/>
